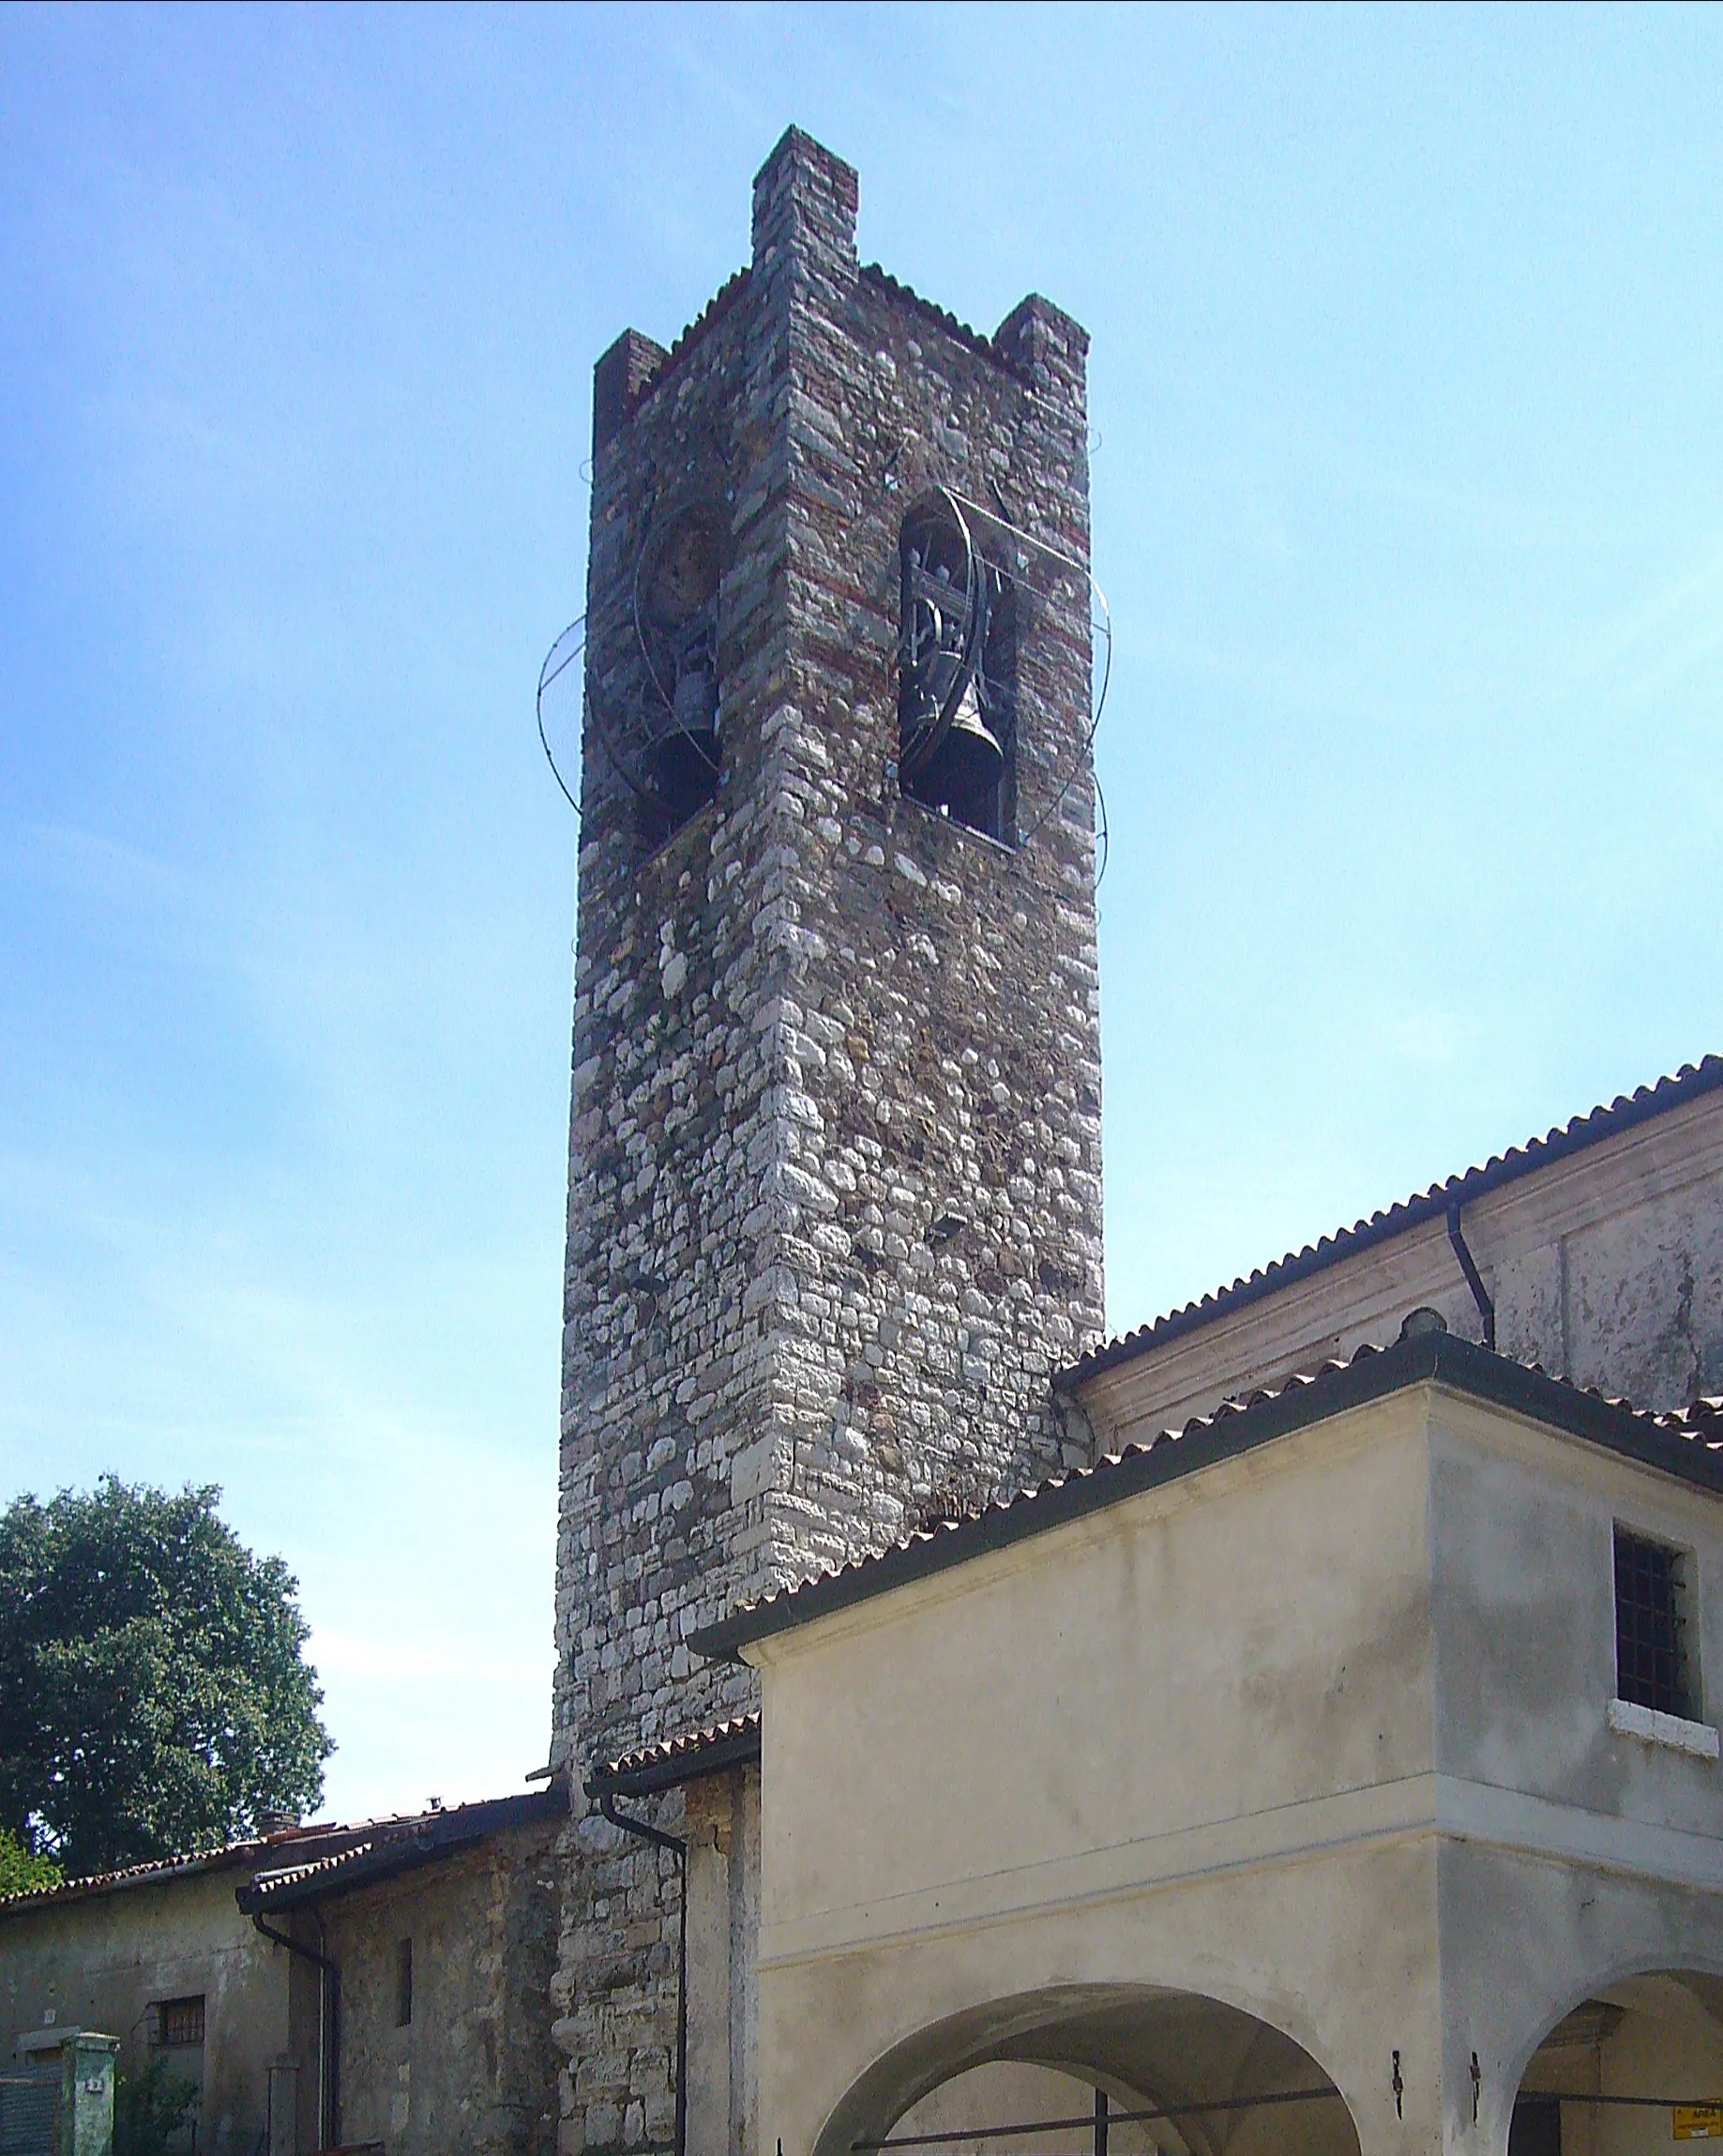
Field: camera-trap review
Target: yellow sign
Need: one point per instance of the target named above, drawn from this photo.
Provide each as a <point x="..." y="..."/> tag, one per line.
<point x="1698" y="2122"/>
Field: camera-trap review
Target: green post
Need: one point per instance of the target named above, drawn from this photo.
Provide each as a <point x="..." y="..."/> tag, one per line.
<point x="86" y="2093"/>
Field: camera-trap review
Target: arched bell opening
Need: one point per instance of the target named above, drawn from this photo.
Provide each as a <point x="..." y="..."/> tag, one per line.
<point x="1635" y="2068"/>
<point x="1120" y="2071"/>
<point x="676" y="602"/>
<point x="955" y="672"/>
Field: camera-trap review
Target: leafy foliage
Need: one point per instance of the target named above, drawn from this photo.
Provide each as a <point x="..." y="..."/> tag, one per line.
<point x="150" y="2107"/>
<point x="154" y="1694"/>
<point x="21" y="1870"/>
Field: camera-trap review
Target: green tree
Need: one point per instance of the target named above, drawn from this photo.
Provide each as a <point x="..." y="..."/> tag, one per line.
<point x="154" y="1693"/>
<point x="22" y="1871"/>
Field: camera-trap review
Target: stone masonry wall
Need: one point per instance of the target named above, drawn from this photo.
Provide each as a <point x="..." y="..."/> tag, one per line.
<point x="474" y="2068"/>
<point x="834" y="1173"/>
<point x="834" y="1197"/>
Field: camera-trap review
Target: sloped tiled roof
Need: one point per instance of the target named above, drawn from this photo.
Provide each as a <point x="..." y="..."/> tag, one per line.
<point x="399" y="1845"/>
<point x="268" y="1879"/>
<point x="1687" y="1443"/>
<point x="292" y="1856"/>
<point x="679" y="1759"/>
<point x="229" y="1858"/>
<point x="1622" y="1113"/>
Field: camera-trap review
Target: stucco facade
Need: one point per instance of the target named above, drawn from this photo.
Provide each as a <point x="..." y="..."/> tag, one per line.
<point x="1312" y="1727"/>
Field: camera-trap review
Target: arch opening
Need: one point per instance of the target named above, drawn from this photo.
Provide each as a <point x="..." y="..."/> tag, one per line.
<point x="1130" y="2071"/>
<point x="677" y="589"/>
<point x="1634" y="2069"/>
<point x="956" y="669"/>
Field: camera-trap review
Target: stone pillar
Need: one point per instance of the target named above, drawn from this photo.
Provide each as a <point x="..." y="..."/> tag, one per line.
<point x="805" y="204"/>
<point x="617" y="381"/>
<point x="86" y="2093"/>
<point x="708" y="1948"/>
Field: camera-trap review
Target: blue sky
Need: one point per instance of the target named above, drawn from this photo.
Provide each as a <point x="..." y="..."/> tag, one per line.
<point x="1407" y="378"/>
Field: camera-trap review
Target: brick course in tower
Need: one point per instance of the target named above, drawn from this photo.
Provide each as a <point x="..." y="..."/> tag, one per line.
<point x="835" y="1196"/>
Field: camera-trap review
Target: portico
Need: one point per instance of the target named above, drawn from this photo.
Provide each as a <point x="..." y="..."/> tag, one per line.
<point x="1273" y="1778"/>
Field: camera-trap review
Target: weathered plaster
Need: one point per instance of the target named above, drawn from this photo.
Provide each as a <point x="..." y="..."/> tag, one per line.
<point x="103" y="1963"/>
<point x="1606" y="1269"/>
<point x="474" y="2068"/>
<point x="1318" y="1733"/>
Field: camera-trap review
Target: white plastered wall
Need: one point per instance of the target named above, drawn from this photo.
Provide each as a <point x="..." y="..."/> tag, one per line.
<point x="1224" y="1738"/>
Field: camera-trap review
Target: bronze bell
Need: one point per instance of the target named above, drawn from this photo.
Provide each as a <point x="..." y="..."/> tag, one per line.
<point x="966" y="767"/>
<point x="686" y="756"/>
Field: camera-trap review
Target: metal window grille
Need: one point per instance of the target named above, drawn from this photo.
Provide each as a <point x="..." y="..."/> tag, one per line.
<point x="1651" y="1648"/>
<point x="180" y="2021"/>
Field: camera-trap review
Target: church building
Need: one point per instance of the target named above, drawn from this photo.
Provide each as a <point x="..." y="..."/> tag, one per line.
<point x="1292" y="1727"/>
<point x="1285" y="1727"/>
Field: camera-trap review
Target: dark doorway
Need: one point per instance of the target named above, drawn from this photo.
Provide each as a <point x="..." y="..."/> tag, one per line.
<point x="1537" y="2128"/>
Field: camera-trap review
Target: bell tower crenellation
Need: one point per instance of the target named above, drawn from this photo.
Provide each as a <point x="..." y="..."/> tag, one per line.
<point x="835" y="1202"/>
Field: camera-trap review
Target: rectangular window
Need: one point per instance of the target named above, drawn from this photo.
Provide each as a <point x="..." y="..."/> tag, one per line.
<point x="1653" y="1663"/>
<point x="179" y="2022"/>
<point x="404" y="1984"/>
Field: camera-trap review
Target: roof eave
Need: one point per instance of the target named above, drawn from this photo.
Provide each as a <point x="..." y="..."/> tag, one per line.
<point x="1460" y="1365"/>
<point x="425" y="1841"/>
<point x="1627" y="1112"/>
<point x="739" y="1747"/>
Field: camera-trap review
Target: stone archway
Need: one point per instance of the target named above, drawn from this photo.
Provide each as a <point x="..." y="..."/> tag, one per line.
<point x="1222" y="2081"/>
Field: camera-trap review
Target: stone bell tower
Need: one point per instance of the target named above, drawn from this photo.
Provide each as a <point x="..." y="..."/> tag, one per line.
<point x="834" y="1173"/>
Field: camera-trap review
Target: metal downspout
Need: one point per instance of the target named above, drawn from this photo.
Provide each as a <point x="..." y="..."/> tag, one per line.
<point x="678" y="1848"/>
<point x="1474" y="1280"/>
<point x="335" y="2026"/>
<point x="328" y="2012"/>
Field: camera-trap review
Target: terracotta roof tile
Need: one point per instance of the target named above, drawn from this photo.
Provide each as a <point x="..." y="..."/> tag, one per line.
<point x="268" y="1880"/>
<point x="1687" y="1442"/>
<point x="681" y="1758"/>
<point x="1622" y="1113"/>
<point x="398" y="1844"/>
<point x="229" y="1857"/>
<point x="302" y="1852"/>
